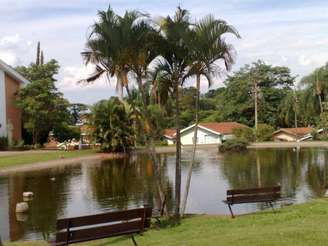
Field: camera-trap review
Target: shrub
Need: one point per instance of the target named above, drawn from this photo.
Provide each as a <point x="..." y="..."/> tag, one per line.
<point x="66" y="132"/>
<point x="321" y="137"/>
<point x="113" y="125"/>
<point x="264" y="132"/>
<point x="233" y="145"/>
<point x="20" y="146"/>
<point x="315" y="135"/>
<point x="245" y="133"/>
<point x="3" y="143"/>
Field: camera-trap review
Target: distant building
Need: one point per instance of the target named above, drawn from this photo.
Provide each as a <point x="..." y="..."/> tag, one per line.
<point x="208" y="133"/>
<point x="10" y="115"/>
<point x="293" y="134"/>
<point x="169" y="135"/>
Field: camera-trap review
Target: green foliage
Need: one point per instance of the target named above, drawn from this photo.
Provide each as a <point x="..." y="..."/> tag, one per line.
<point x="3" y="143"/>
<point x="264" y="132"/>
<point x="321" y="137"/>
<point x="237" y="99"/>
<point x="66" y="132"/>
<point x="75" y="110"/>
<point x="234" y="145"/>
<point x="157" y="120"/>
<point x="113" y="125"/>
<point x="243" y="133"/>
<point x="315" y="135"/>
<point x="42" y="104"/>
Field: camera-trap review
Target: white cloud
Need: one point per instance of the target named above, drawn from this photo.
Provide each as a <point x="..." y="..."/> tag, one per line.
<point x="289" y="35"/>
<point x="13" y="48"/>
<point x="73" y="75"/>
<point x="304" y="61"/>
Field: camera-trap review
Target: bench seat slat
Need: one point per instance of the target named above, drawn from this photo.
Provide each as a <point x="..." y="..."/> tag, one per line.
<point x="102" y="218"/>
<point x="253" y="198"/>
<point x="99" y="232"/>
<point x="254" y="190"/>
<point x="91" y="227"/>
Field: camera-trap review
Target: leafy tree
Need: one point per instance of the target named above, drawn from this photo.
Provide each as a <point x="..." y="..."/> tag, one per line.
<point x="273" y="83"/>
<point x="244" y="133"/>
<point x="315" y="90"/>
<point x="43" y="106"/>
<point x="112" y="121"/>
<point x="289" y="109"/>
<point x="64" y="132"/>
<point x="264" y="132"/>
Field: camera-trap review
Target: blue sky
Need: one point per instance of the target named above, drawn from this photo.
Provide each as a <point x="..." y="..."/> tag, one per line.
<point x="289" y="33"/>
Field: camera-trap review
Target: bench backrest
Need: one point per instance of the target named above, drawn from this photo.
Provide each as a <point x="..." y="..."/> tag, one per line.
<point x="85" y="228"/>
<point x="269" y="192"/>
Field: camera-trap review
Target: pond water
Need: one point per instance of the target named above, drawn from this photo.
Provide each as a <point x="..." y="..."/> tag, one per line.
<point x="98" y="186"/>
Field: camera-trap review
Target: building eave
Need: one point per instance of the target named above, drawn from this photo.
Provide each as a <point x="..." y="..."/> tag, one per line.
<point x="13" y="73"/>
<point x="201" y="127"/>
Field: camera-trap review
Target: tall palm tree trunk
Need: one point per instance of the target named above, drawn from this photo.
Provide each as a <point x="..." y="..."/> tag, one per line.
<point x="151" y="146"/>
<point x="192" y="163"/>
<point x="178" y="154"/>
<point x="320" y="103"/>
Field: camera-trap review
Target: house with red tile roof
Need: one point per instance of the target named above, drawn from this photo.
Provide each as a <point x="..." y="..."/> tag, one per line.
<point x="207" y="133"/>
<point x="294" y="134"/>
<point x="10" y="115"/>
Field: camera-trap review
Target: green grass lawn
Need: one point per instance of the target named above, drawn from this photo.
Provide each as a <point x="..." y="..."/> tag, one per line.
<point x="305" y="224"/>
<point x="28" y="158"/>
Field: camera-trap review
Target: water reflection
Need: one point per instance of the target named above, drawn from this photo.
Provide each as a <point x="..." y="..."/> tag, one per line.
<point x="93" y="187"/>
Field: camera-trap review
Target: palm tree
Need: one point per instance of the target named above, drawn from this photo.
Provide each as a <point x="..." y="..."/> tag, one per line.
<point x="207" y="47"/>
<point x="121" y="46"/>
<point x="173" y="66"/>
<point x="289" y="108"/>
<point x="316" y="88"/>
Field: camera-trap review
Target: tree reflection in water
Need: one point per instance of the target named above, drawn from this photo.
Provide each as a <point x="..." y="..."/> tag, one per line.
<point x="129" y="182"/>
<point x="89" y="188"/>
<point x="293" y="169"/>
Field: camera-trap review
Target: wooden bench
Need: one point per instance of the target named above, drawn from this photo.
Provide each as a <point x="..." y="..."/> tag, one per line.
<point x="87" y="228"/>
<point x="253" y="195"/>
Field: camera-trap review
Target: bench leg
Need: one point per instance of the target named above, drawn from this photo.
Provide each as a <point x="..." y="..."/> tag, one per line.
<point x="271" y="205"/>
<point x="134" y="241"/>
<point x="232" y="215"/>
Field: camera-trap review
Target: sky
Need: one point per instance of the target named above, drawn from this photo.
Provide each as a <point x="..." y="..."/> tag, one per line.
<point x="291" y="33"/>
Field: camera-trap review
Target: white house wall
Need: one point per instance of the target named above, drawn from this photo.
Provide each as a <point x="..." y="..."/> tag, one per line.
<point x="169" y="141"/>
<point x="203" y="137"/>
<point x="3" y="117"/>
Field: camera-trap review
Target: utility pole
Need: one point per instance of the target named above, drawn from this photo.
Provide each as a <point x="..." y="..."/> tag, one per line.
<point x="255" y="102"/>
<point x="295" y="108"/>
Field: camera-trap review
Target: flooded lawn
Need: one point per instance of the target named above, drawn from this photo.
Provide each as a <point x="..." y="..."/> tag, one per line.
<point x="99" y="186"/>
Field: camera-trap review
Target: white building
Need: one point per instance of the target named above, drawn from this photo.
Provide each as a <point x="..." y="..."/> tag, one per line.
<point x="208" y="133"/>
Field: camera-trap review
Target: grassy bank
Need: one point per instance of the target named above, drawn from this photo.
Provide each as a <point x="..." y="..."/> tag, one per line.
<point x="30" y="157"/>
<point x="304" y="224"/>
